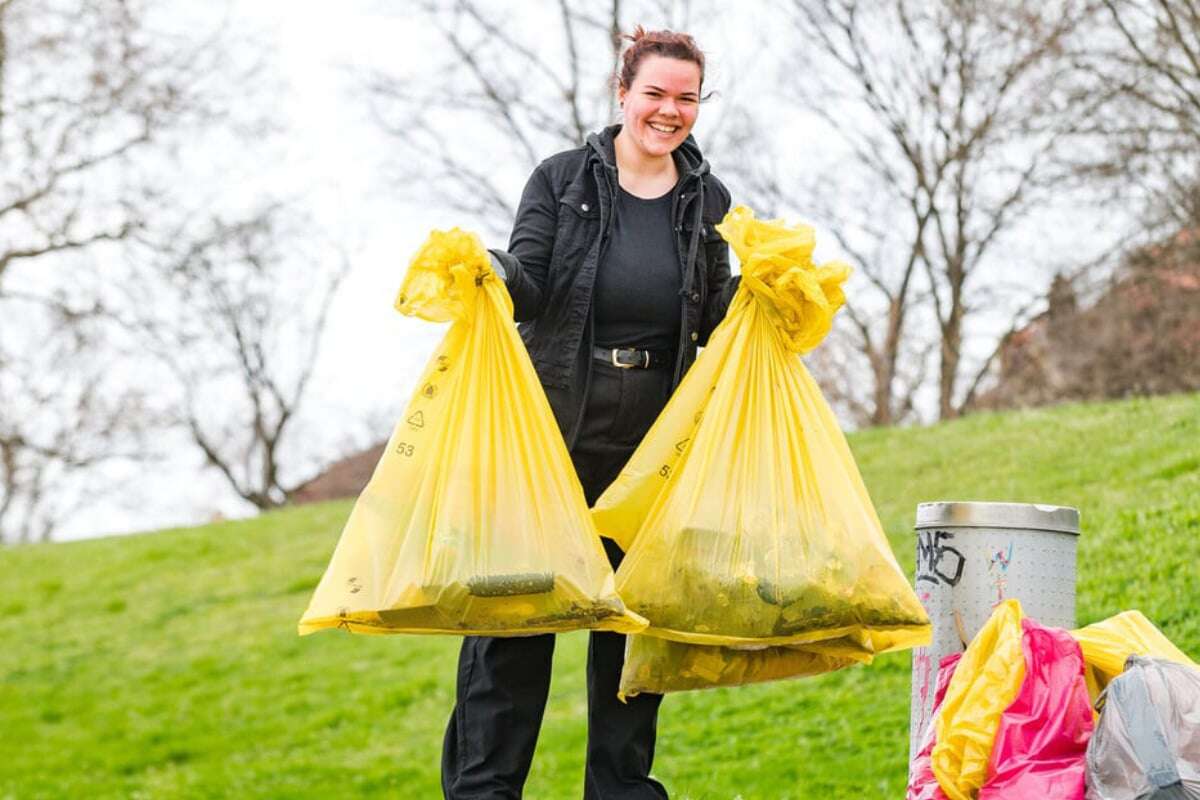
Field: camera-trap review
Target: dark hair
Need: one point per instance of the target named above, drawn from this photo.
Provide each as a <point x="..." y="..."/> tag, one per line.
<point x="656" y="43"/>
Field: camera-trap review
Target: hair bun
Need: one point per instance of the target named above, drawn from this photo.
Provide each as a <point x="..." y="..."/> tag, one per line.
<point x="660" y="43"/>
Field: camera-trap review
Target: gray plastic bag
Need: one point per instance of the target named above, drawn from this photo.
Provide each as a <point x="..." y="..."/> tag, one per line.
<point x="1147" y="742"/>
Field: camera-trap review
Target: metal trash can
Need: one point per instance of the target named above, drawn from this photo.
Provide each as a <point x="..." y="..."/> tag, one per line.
<point x="972" y="556"/>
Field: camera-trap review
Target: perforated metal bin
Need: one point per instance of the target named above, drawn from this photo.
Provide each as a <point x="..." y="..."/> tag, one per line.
<point x="970" y="557"/>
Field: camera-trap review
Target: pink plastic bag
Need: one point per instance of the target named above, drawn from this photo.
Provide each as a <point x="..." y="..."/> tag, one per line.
<point x="922" y="783"/>
<point x="1041" y="745"/>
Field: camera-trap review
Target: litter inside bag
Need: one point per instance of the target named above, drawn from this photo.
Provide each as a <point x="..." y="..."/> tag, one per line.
<point x="473" y="521"/>
<point x="745" y="520"/>
<point x="1147" y="742"/>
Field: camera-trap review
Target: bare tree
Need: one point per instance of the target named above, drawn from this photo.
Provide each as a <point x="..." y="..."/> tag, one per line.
<point x="237" y="328"/>
<point x="953" y="115"/>
<point x="1145" y="146"/>
<point x="88" y="89"/>
<point x="96" y="97"/>
<point x="68" y="415"/>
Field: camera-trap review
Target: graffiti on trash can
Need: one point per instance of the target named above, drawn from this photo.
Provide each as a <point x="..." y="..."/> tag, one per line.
<point x="938" y="562"/>
<point x="998" y="569"/>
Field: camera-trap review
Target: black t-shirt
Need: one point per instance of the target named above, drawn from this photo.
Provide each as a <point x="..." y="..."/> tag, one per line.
<point x="637" y="286"/>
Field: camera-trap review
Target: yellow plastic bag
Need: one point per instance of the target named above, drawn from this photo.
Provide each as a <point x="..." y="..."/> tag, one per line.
<point x="743" y="513"/>
<point x="1107" y="644"/>
<point x="985" y="683"/>
<point x="474" y="521"/>
<point x="660" y="666"/>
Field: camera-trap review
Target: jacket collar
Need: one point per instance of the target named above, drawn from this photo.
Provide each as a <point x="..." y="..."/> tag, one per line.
<point x="689" y="161"/>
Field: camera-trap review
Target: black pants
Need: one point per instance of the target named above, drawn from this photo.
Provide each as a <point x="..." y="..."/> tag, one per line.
<point x="503" y="682"/>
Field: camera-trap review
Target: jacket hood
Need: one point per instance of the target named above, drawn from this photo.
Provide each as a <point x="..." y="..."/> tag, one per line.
<point x="688" y="158"/>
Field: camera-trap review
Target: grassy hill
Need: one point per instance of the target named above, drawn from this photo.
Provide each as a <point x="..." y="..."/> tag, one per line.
<point x="167" y="665"/>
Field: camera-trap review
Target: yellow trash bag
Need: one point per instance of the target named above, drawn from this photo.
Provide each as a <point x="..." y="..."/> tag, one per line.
<point x="743" y="513"/>
<point x="660" y="666"/>
<point x="985" y="683"/>
<point x="1107" y="644"/>
<point x="473" y="521"/>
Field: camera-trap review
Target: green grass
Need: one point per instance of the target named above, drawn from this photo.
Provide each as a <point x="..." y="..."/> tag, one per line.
<point x="167" y="665"/>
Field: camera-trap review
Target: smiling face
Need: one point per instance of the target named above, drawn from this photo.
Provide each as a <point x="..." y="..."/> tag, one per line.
<point x="662" y="104"/>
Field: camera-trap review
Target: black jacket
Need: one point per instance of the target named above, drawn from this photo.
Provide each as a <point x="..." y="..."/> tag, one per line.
<point x="562" y="227"/>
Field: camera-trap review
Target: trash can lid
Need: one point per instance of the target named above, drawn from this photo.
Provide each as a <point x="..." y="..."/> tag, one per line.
<point x="1063" y="519"/>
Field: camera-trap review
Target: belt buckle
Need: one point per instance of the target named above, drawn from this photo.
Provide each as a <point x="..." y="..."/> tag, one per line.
<point x="619" y="365"/>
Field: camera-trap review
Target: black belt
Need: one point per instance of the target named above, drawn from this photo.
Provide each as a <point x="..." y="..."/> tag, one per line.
<point x="629" y="358"/>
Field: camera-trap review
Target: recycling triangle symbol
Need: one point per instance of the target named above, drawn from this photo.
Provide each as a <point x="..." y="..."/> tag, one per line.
<point x="417" y="420"/>
<point x="681" y="444"/>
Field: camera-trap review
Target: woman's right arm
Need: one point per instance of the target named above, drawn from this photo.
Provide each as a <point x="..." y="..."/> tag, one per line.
<point x="527" y="261"/>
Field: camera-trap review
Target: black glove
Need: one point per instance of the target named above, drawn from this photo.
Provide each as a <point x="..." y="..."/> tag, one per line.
<point x="498" y="267"/>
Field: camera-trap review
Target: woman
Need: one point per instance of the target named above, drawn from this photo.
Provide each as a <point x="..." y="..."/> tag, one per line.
<point x="616" y="275"/>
